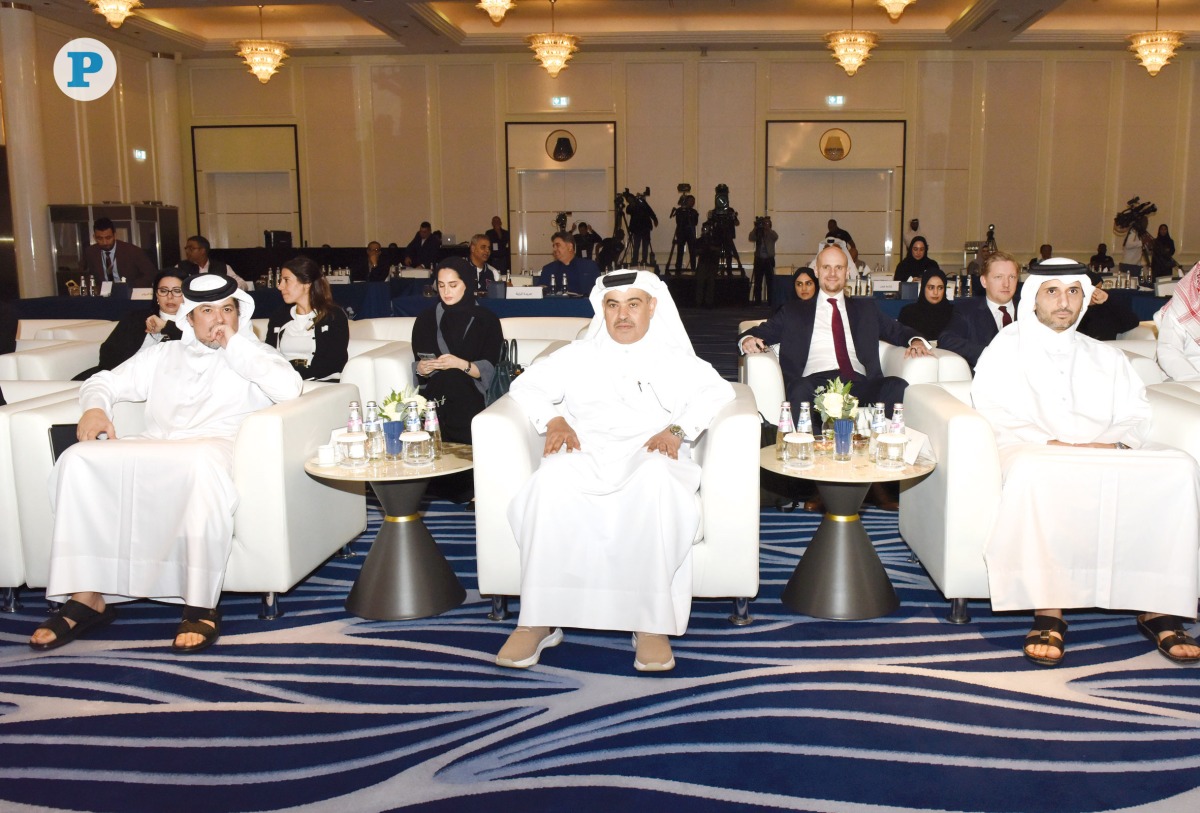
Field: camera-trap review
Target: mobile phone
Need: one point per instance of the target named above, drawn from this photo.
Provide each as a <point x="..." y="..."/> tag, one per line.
<point x="426" y="356"/>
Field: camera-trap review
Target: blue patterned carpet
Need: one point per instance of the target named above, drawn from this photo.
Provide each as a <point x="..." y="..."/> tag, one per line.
<point x="321" y="711"/>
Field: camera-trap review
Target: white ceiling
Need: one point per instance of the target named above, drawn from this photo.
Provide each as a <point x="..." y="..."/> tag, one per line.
<point x="197" y="28"/>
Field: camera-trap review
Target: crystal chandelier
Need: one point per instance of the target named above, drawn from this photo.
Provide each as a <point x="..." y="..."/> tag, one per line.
<point x="553" y="50"/>
<point x="895" y="8"/>
<point x="264" y="57"/>
<point x="115" y="11"/>
<point x="851" y="48"/>
<point x="1155" y="48"/>
<point x="495" y="8"/>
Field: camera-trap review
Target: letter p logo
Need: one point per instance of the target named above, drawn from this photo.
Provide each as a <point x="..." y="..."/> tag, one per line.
<point x="85" y="69"/>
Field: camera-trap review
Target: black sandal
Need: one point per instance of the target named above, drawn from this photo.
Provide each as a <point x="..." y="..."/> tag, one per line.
<point x="193" y="621"/>
<point x="86" y="619"/>
<point x="1043" y="625"/>
<point x="1154" y="627"/>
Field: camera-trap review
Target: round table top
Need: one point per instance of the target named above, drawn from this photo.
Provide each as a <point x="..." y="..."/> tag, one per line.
<point x="455" y="457"/>
<point x="856" y="470"/>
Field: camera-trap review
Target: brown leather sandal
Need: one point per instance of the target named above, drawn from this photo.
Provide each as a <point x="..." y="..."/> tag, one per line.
<point x="193" y="621"/>
<point x="1154" y="627"/>
<point x="1043" y="626"/>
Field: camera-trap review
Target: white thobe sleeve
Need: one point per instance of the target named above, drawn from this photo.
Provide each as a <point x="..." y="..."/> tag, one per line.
<point x="541" y="386"/>
<point x="1130" y="408"/>
<point x="263" y="365"/>
<point x="128" y="381"/>
<point x="709" y="393"/>
<point x="1178" y="353"/>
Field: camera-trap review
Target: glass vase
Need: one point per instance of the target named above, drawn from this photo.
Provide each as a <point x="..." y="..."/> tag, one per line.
<point x="843" y="431"/>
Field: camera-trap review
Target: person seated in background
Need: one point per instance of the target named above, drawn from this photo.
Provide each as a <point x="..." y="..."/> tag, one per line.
<point x="374" y="268"/>
<point x="480" y="251"/>
<point x="151" y="516"/>
<point x="143" y="328"/>
<point x="837" y="232"/>
<point x="606" y="523"/>
<point x="586" y="241"/>
<point x="977" y="320"/>
<point x="110" y="259"/>
<point x="1106" y="316"/>
<point x="1045" y="252"/>
<point x="931" y="313"/>
<point x="1178" y="351"/>
<point x="916" y="262"/>
<point x="1101" y="262"/>
<point x="198" y="261"/>
<point x="309" y="329"/>
<point x="575" y="273"/>
<point x="1070" y="416"/>
<point x="497" y="235"/>
<point x="804" y="283"/>
<point x="457" y="346"/>
<point x="423" y="250"/>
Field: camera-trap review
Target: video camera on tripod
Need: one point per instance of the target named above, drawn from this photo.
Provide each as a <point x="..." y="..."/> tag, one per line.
<point x="1134" y="212"/>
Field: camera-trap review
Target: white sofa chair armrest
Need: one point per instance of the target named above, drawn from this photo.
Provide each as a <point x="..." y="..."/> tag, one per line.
<point x="920" y="370"/>
<point x="60" y="362"/>
<point x="764" y="377"/>
<point x="34" y="328"/>
<point x="951" y="366"/>
<point x="15" y="391"/>
<point x="1142" y="332"/>
<point x="83" y="332"/>
<point x="506" y="450"/>
<point x="1175" y="416"/>
<point x="378" y="371"/>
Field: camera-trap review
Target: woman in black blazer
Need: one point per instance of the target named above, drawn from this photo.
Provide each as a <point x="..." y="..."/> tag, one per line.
<point x="311" y="330"/>
<point x="143" y="328"/>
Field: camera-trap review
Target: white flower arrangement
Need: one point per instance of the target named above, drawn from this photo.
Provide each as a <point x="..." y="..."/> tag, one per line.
<point x="835" y="401"/>
<point x="392" y="407"/>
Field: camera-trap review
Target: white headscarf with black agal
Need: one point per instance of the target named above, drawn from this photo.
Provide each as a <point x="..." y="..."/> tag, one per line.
<point x="199" y="289"/>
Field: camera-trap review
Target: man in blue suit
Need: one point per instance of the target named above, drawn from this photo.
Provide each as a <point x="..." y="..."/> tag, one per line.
<point x="833" y="335"/>
<point x="576" y="274"/>
<point x="977" y="319"/>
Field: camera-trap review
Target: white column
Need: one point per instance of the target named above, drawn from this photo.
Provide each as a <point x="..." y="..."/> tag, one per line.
<point x="164" y="91"/>
<point x="26" y="158"/>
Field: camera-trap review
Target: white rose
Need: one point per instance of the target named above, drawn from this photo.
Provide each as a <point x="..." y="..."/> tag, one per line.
<point x="833" y="404"/>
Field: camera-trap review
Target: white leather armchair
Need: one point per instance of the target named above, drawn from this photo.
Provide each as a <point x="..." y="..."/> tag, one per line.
<point x="287" y="523"/>
<point x="540" y="335"/>
<point x="507" y="450"/>
<point x="947" y="516"/>
<point x="49" y="360"/>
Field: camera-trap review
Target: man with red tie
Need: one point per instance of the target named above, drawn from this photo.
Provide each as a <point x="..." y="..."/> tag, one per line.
<point x="977" y="319"/>
<point x="115" y="260"/>
<point x="832" y="335"/>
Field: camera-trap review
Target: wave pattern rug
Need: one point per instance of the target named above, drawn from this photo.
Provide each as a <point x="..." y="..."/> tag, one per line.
<point x="320" y="711"/>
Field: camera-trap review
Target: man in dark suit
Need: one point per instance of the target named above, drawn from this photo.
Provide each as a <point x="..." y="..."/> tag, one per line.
<point x="977" y="319"/>
<point x="422" y="251"/>
<point x="196" y="249"/>
<point x="832" y="335"/>
<point x="115" y="260"/>
<point x="372" y="268"/>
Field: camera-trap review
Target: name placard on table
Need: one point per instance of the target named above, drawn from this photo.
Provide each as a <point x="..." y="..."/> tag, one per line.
<point x="526" y="292"/>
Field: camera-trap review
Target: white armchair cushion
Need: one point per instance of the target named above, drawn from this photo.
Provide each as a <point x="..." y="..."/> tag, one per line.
<point x="378" y="371"/>
<point x="59" y="361"/>
<point x="391" y="328"/>
<point x="83" y="331"/>
<point x="33" y="328"/>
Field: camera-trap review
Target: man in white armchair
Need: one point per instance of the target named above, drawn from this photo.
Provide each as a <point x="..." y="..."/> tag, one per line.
<point x="1076" y="526"/>
<point x="606" y="523"/>
<point x="151" y="516"/>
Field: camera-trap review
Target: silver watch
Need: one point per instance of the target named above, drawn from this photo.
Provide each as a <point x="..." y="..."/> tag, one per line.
<point x="676" y="430"/>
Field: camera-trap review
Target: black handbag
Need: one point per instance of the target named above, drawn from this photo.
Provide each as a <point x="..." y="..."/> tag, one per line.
<point x="506" y="370"/>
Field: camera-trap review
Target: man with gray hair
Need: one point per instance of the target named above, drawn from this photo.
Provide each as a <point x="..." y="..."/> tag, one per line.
<point x="151" y="516"/>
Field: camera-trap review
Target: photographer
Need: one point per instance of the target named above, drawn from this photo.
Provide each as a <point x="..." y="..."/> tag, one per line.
<point x="764" y="238"/>
<point x="686" y="220"/>
<point x="642" y="220"/>
<point x="1131" y="223"/>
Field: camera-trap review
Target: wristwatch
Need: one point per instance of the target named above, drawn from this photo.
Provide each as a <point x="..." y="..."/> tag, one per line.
<point x="676" y="430"/>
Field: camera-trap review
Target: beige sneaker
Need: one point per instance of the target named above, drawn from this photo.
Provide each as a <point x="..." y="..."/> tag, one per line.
<point x="525" y="645"/>
<point x="653" y="652"/>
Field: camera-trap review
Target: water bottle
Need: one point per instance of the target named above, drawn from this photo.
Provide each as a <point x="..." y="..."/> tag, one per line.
<point x="373" y="426"/>
<point x="355" y="422"/>
<point x="434" y="429"/>
<point x="804" y="418"/>
<point x="412" y="417"/>
<point x="878" y="426"/>
<point x="784" y="426"/>
<point x="897" y="427"/>
<point x="91" y="286"/>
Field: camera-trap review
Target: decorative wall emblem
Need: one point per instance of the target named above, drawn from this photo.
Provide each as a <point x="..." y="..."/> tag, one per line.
<point x="561" y="146"/>
<point x="835" y="144"/>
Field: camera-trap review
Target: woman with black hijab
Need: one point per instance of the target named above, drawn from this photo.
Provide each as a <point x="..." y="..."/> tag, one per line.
<point x="916" y="262"/>
<point x="1162" y="253"/>
<point x="930" y="314"/>
<point x="457" y="345"/>
<point x="804" y="283"/>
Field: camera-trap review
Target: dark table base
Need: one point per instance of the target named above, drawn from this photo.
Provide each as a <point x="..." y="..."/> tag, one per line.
<point x="840" y="576"/>
<point x="404" y="575"/>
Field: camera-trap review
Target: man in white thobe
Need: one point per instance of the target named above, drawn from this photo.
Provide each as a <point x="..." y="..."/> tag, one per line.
<point x="607" y="522"/>
<point x="1076" y="527"/>
<point x="151" y="515"/>
<point x="1178" y="351"/>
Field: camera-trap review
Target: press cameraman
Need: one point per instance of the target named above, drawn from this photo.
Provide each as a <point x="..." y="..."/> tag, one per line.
<point x="642" y="220"/>
<point x="764" y="238"/>
<point x="1132" y="223"/>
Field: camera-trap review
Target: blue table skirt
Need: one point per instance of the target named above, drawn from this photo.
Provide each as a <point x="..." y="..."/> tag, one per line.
<point x="550" y="306"/>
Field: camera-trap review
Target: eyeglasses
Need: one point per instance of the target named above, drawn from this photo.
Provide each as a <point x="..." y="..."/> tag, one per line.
<point x="170" y="292"/>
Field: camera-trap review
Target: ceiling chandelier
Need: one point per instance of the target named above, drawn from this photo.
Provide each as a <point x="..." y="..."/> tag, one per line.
<point x="1155" y="48"/>
<point x="553" y="49"/>
<point x="495" y="8"/>
<point x="264" y="57"/>
<point x="115" y="11"/>
<point x="895" y="8"/>
<point x="851" y="48"/>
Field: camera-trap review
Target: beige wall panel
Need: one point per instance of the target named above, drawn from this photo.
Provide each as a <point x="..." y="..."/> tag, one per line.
<point x="588" y="85"/>
<point x="245" y="149"/>
<point x="64" y="169"/>
<point x="230" y="92"/>
<point x="139" y="132"/>
<point x="726" y="138"/>
<point x="1078" y="212"/>
<point x="1147" y="140"/>
<point x="103" y="146"/>
<point x="332" y="176"/>
<point x="940" y="201"/>
<point x="804" y="86"/>
<point x="941" y="130"/>
<point x="1185" y="226"/>
<point x="469" y="149"/>
<point x="654" y="140"/>
<point x="400" y="129"/>
<point x="1012" y="105"/>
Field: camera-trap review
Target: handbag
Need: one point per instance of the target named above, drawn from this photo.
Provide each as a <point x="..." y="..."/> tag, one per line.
<point x="506" y="370"/>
